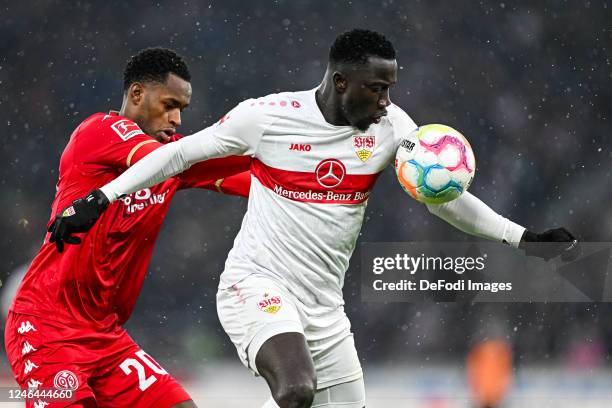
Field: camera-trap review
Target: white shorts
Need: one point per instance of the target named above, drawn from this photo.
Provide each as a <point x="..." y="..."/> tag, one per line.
<point x="258" y="308"/>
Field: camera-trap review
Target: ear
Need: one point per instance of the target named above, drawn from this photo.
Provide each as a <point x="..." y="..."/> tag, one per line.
<point x="135" y="93"/>
<point x="340" y="82"/>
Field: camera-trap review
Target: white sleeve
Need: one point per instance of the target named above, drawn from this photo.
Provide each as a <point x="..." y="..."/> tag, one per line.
<point x="238" y="133"/>
<point x="474" y="217"/>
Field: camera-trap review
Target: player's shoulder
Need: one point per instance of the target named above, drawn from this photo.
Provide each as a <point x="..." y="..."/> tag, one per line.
<point x="283" y="103"/>
<point x="109" y="125"/>
<point x="397" y="116"/>
<point x="102" y="119"/>
<point x="401" y="123"/>
<point x="262" y="112"/>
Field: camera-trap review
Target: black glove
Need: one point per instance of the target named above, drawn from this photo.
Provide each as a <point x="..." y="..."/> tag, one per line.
<point x="79" y="217"/>
<point x="551" y="243"/>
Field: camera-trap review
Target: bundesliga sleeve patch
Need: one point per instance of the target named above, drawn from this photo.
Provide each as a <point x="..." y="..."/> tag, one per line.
<point x="126" y="129"/>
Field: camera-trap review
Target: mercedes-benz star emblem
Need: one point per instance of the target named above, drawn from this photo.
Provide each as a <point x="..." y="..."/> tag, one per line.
<point x="330" y="173"/>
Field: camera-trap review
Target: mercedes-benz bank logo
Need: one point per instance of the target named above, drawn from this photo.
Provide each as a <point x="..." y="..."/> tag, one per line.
<point x="330" y="173"/>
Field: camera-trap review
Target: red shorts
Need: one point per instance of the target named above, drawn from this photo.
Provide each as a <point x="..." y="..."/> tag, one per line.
<point x="106" y="366"/>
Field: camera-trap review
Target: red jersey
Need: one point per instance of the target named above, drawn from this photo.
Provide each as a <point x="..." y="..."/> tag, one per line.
<point x="96" y="284"/>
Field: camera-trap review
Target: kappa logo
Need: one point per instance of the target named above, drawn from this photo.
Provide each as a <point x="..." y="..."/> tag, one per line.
<point x="300" y="147"/>
<point x="34" y="383"/>
<point x="126" y="129"/>
<point x="40" y="404"/>
<point x="270" y="304"/>
<point x="29" y="366"/>
<point x="364" y="146"/>
<point x="330" y="173"/>
<point x="27" y="348"/>
<point x="26" y="327"/>
<point x="66" y="380"/>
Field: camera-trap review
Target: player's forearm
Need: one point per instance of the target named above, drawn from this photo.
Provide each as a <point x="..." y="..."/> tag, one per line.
<point x="470" y="215"/>
<point x="162" y="164"/>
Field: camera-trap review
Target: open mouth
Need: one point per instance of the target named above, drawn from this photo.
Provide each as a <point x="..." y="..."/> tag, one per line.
<point x="166" y="134"/>
<point x="378" y="117"/>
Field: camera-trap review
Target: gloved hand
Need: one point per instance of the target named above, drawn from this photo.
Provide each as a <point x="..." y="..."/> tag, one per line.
<point x="552" y="243"/>
<point x="79" y="217"/>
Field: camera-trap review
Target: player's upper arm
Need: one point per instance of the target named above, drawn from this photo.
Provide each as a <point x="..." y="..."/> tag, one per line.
<point x="211" y="173"/>
<point x="403" y="124"/>
<point x="237" y="133"/>
<point x="238" y="184"/>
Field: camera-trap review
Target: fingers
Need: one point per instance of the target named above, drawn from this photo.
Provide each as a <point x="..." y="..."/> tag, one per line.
<point x="52" y="228"/>
<point x="571" y="237"/>
<point x="73" y="240"/>
<point x="562" y="235"/>
<point x="571" y="248"/>
<point x="61" y="234"/>
<point x="57" y="235"/>
<point x="572" y="251"/>
<point x="59" y="244"/>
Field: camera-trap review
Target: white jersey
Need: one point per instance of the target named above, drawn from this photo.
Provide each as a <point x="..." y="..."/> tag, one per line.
<point x="310" y="185"/>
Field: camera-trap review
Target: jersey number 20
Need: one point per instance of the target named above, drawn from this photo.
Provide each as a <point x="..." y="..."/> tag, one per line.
<point x="144" y="382"/>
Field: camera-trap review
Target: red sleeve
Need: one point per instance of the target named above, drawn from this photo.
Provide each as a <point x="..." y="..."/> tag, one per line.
<point x="113" y="141"/>
<point x="222" y="175"/>
<point x="238" y="184"/>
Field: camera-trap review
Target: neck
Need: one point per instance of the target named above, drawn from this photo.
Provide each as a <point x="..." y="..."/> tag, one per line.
<point x="329" y="103"/>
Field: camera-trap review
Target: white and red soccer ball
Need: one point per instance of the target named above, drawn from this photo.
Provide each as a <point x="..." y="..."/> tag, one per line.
<point x="435" y="164"/>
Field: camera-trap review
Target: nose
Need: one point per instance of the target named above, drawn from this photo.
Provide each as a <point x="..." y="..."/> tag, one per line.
<point x="384" y="100"/>
<point x="174" y="117"/>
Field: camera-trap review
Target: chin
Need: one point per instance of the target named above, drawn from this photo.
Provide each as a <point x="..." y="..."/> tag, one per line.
<point x="363" y="126"/>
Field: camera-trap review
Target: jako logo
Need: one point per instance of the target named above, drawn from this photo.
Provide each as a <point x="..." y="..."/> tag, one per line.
<point x="300" y="147"/>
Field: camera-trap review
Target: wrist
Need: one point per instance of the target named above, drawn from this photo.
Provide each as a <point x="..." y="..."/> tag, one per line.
<point x="101" y="199"/>
<point x="529" y="236"/>
<point x="97" y="202"/>
<point x="107" y="192"/>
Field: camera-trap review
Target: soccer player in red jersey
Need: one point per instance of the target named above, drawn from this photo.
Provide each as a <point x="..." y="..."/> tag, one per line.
<point x="64" y="326"/>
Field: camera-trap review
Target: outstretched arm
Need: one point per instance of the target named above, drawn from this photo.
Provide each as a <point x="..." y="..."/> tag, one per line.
<point x="167" y="161"/>
<point x="238" y="133"/>
<point x="474" y="217"/>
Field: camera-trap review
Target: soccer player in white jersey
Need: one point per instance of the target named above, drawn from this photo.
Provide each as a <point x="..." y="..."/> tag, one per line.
<point x="280" y="295"/>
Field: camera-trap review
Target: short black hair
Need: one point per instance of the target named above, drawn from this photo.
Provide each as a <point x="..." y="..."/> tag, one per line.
<point x="154" y="65"/>
<point x="355" y="46"/>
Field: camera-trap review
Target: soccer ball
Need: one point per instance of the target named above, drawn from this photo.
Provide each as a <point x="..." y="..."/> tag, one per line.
<point x="435" y="164"/>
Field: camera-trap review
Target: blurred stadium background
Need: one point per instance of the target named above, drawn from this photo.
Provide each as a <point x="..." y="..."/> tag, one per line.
<point x="529" y="83"/>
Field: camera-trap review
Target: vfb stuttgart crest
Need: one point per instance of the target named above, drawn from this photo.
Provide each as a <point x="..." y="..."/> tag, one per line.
<point x="270" y="303"/>
<point x="364" y="146"/>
